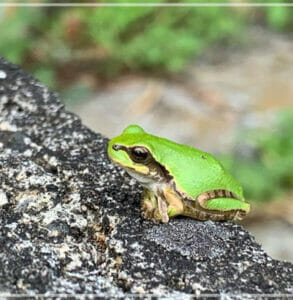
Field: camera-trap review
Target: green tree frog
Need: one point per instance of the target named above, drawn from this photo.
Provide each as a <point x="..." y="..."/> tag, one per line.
<point x="177" y="179"/>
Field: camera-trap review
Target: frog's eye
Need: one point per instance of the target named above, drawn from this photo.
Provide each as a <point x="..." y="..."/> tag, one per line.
<point x="139" y="154"/>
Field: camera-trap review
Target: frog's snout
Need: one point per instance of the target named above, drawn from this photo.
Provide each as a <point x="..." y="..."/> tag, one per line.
<point x="116" y="147"/>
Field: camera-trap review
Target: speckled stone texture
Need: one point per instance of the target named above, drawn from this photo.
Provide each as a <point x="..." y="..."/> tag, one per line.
<point x="70" y="221"/>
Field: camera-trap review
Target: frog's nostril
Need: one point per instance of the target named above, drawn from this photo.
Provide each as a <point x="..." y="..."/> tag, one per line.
<point x="116" y="147"/>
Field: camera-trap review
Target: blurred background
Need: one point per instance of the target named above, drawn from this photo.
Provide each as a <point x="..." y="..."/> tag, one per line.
<point x="217" y="78"/>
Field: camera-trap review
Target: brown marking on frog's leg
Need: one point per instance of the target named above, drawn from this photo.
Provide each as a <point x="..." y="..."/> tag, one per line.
<point x="233" y="214"/>
<point x="213" y="194"/>
<point x="175" y="202"/>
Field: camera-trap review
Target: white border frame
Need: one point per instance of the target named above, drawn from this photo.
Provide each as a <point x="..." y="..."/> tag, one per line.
<point x="233" y="4"/>
<point x="131" y="295"/>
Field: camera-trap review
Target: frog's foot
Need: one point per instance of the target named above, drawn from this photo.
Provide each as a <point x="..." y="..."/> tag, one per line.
<point x="153" y="207"/>
<point x="240" y="214"/>
<point x="149" y="204"/>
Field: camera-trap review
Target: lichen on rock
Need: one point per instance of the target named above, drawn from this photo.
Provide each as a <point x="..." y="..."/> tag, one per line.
<point x="70" y="221"/>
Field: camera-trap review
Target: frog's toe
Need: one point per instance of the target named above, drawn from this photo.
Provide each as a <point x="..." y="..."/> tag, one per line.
<point x="147" y="210"/>
<point x="151" y="215"/>
<point x="158" y="218"/>
<point x="147" y="207"/>
<point x="154" y="215"/>
<point x="147" y="213"/>
<point x="173" y="211"/>
<point x="239" y="215"/>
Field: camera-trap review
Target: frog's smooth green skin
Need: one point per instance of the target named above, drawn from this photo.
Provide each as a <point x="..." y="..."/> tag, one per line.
<point x="177" y="179"/>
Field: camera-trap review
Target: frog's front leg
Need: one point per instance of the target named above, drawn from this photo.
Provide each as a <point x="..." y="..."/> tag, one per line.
<point x="162" y="211"/>
<point x="154" y="207"/>
<point x="148" y="204"/>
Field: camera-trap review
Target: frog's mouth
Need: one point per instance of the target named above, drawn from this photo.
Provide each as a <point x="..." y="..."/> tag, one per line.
<point x="145" y="179"/>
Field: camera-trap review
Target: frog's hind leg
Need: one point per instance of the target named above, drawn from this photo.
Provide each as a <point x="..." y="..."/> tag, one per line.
<point x="232" y="208"/>
<point x="236" y="208"/>
<point x="175" y="205"/>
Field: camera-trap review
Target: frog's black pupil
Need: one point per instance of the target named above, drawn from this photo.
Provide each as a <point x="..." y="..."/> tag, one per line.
<point x="140" y="154"/>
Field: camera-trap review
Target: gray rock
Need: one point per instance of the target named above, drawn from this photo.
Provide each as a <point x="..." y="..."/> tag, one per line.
<point x="70" y="221"/>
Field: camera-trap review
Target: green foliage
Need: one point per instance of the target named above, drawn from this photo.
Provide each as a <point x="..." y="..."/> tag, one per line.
<point x="53" y="43"/>
<point x="45" y="74"/>
<point x="268" y="171"/>
<point x="16" y="37"/>
<point x="77" y="92"/>
<point x="158" y="38"/>
<point x="111" y="40"/>
<point x="280" y="17"/>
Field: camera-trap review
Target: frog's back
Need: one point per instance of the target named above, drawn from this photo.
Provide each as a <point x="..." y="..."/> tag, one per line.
<point x="194" y="171"/>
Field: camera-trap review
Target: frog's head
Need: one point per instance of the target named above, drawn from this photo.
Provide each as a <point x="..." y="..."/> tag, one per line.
<point x="131" y="151"/>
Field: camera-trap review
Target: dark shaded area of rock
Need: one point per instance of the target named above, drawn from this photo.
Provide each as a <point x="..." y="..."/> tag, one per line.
<point x="70" y="221"/>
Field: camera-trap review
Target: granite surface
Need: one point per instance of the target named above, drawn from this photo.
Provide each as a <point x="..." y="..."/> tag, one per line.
<point x="70" y="221"/>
